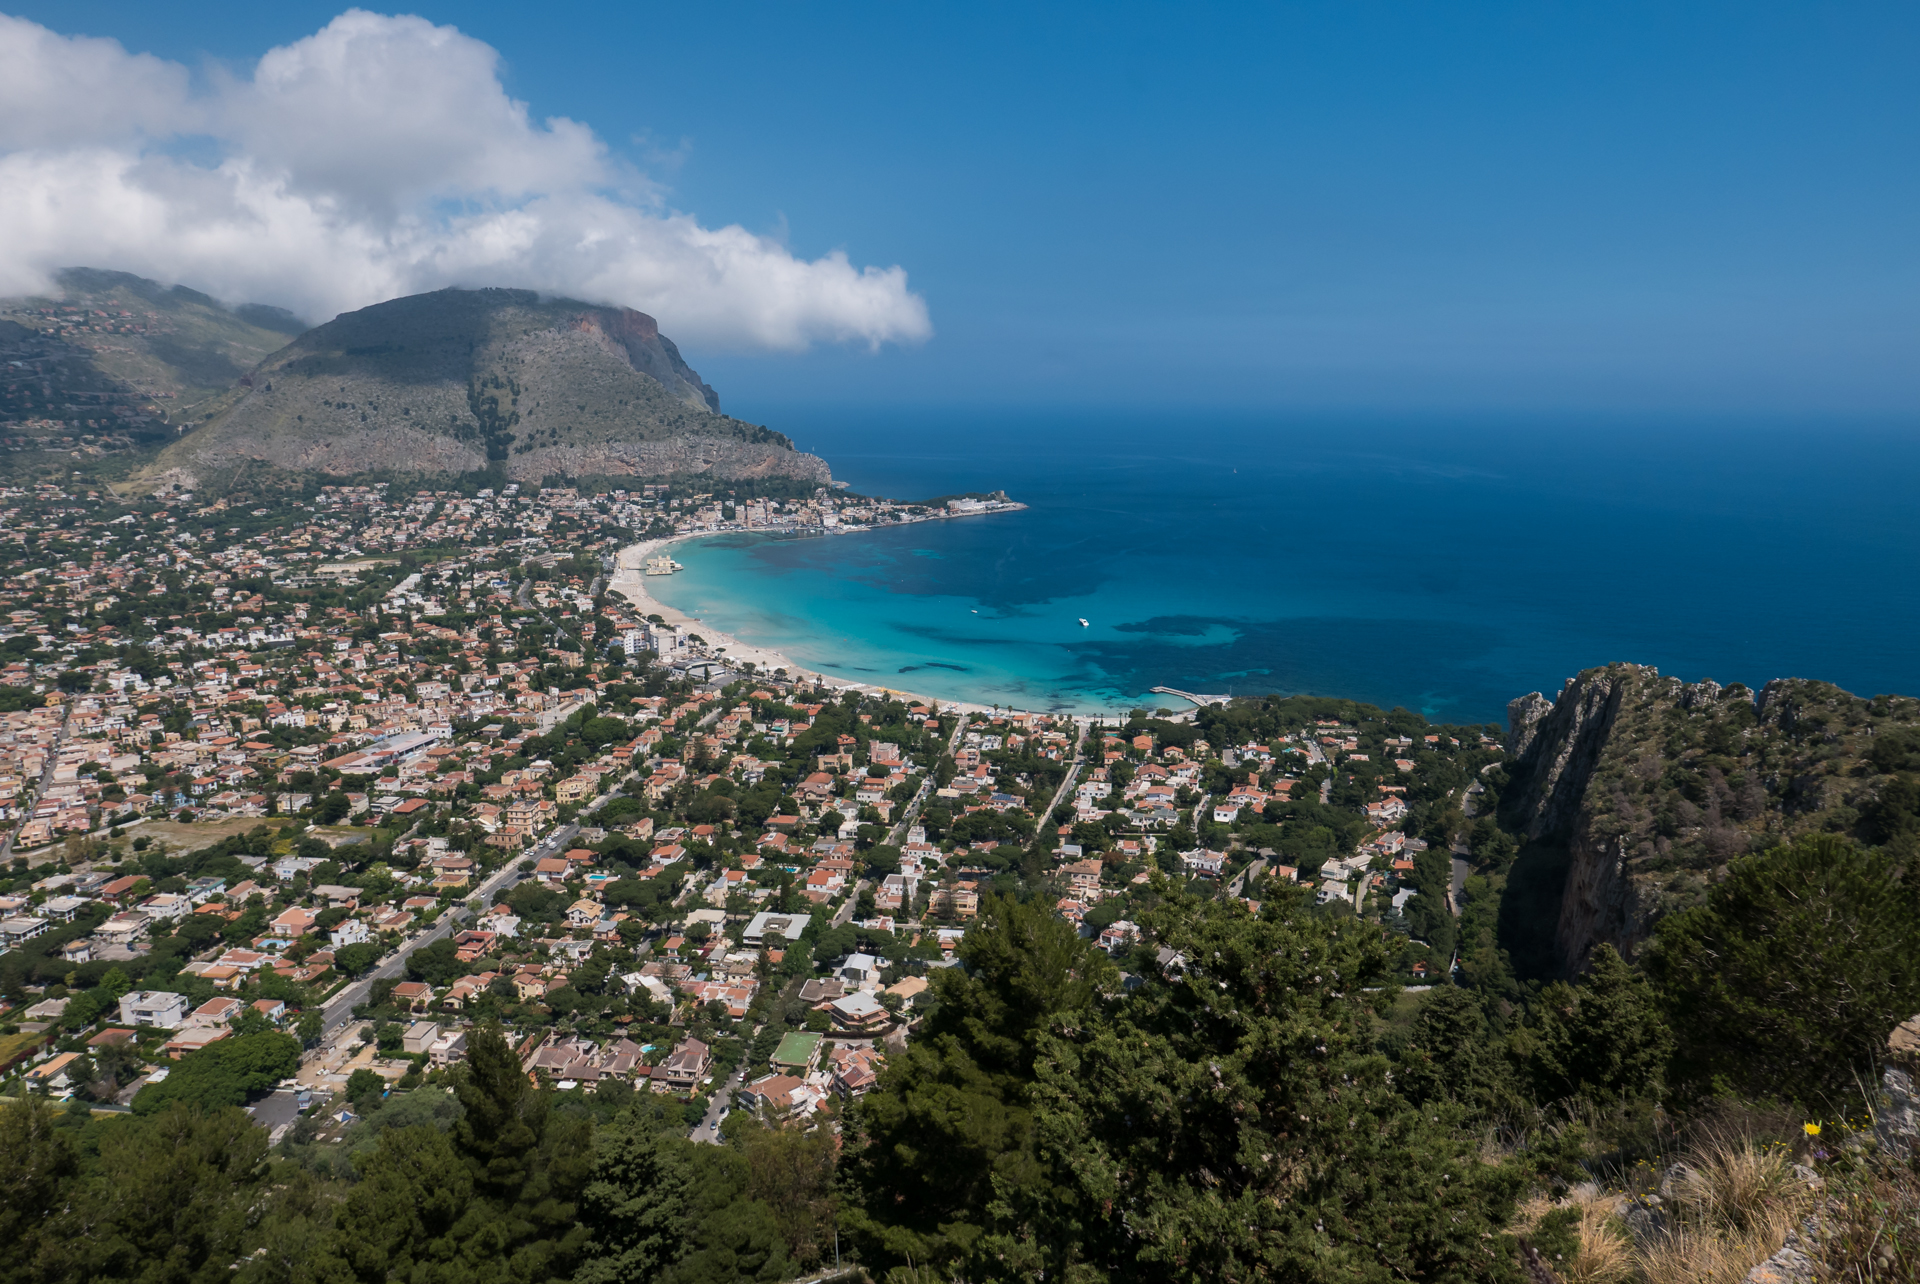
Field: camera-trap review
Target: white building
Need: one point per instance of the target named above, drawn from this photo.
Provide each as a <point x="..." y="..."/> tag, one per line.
<point x="352" y="932"/>
<point x="153" y="1007"/>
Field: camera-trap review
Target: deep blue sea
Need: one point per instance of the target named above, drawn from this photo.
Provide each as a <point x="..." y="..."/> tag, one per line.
<point x="1444" y="566"/>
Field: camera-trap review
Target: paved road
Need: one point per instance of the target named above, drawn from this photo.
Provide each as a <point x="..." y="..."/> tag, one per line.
<point x="339" y="1009"/>
<point x="708" y="1129"/>
<point x="897" y="835"/>
<point x="46" y="779"/>
<point x="1247" y="875"/>
<point x="843" y="915"/>
<point x="1458" y="888"/>
<point x="1073" y="771"/>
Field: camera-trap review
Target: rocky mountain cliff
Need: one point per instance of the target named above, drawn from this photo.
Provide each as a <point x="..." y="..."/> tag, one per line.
<point x="1652" y="784"/>
<point x="451" y="381"/>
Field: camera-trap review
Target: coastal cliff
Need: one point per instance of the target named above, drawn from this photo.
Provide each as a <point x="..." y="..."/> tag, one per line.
<point x="1651" y="785"/>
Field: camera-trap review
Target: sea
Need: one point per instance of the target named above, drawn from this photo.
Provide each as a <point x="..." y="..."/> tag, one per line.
<point x="1444" y="565"/>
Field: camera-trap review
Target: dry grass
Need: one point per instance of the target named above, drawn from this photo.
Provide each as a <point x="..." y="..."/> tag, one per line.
<point x="1581" y="1237"/>
<point x="1729" y="1208"/>
<point x="1734" y="1184"/>
<point x="1697" y="1253"/>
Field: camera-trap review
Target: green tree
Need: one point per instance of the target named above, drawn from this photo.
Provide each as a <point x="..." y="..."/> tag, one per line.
<point x="357" y="960"/>
<point x="174" y="1196"/>
<point x="224" y="1073"/>
<point x="491" y="1200"/>
<point x="1604" y="1040"/>
<point x="1788" y="980"/>
<point x="37" y="1168"/>
<point x="1233" y="1121"/>
<point x="951" y="1127"/>
<point x="634" y="1206"/>
<point x="1451" y="1054"/>
<point x="365" y="1088"/>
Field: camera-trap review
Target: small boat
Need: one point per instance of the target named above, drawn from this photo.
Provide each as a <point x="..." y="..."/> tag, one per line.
<point x="1084" y="624"/>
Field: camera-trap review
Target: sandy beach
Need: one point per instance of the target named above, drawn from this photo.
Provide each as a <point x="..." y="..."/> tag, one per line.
<point x="630" y="581"/>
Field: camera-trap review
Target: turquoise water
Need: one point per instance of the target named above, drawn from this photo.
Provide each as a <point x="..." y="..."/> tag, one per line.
<point x="1444" y="567"/>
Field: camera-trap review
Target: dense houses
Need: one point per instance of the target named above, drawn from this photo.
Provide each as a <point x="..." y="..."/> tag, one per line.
<point x="251" y="748"/>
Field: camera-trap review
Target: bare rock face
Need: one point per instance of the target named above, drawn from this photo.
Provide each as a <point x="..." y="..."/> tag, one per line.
<point x="1896" y="1124"/>
<point x="1652" y="784"/>
<point x="458" y="380"/>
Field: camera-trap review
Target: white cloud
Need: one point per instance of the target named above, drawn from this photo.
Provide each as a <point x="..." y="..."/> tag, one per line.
<point x="338" y="163"/>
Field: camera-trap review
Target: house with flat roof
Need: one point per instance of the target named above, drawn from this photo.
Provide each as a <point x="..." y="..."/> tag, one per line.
<point x="153" y="1007"/>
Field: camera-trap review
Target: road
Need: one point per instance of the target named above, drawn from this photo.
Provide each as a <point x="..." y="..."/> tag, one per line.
<point x="1247" y="875"/>
<point x="898" y="834"/>
<point x="46" y="779"/>
<point x="339" y="1009"/>
<point x="708" y="1129"/>
<point x="1073" y="771"/>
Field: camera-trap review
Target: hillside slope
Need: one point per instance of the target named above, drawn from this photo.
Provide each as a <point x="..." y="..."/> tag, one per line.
<point x="449" y="381"/>
<point x="123" y="361"/>
<point x="1652" y="784"/>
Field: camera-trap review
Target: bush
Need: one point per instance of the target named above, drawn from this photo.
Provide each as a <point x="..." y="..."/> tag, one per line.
<point x="1787" y="981"/>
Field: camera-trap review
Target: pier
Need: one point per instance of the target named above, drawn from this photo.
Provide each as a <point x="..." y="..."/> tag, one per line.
<point x="1201" y="700"/>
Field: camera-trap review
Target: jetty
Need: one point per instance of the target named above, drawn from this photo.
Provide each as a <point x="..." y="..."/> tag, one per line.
<point x="1201" y="700"/>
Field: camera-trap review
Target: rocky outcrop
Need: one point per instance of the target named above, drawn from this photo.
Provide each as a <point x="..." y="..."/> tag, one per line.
<point x="1650" y="784"/>
<point x="1896" y="1124"/>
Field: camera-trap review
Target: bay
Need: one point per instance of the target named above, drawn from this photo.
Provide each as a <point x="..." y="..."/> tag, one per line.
<point x="1447" y="566"/>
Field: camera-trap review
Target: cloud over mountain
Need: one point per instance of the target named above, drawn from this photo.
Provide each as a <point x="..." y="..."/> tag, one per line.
<point x="378" y="157"/>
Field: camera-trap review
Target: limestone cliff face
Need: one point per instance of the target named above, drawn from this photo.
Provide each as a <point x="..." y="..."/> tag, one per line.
<point x="455" y="380"/>
<point x="1651" y="784"/>
<point x="719" y="457"/>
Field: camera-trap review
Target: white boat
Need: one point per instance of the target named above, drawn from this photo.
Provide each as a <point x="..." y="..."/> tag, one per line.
<point x="1084" y="624"/>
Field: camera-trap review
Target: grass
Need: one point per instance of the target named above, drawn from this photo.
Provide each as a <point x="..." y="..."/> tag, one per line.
<point x="1723" y="1209"/>
<point x="12" y="1045"/>
<point x="1729" y="1205"/>
<point x="1870" y="1224"/>
<point x="201" y="833"/>
<point x="1581" y="1238"/>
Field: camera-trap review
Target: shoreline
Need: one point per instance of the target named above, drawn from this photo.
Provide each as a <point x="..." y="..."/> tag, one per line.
<point x="629" y="578"/>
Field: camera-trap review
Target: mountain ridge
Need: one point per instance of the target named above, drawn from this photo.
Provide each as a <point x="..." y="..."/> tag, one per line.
<point x="460" y="380"/>
<point x="1651" y="785"/>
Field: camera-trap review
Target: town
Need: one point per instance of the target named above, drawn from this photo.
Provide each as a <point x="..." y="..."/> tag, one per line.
<point x="341" y="777"/>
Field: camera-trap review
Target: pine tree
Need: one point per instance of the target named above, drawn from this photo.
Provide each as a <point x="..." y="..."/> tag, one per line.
<point x="1233" y="1121"/>
<point x="634" y="1208"/>
<point x="1604" y="1040"/>
<point x="1451" y="1054"/>
<point x="37" y="1168"/>
<point x="1788" y="980"/>
<point x="951" y="1126"/>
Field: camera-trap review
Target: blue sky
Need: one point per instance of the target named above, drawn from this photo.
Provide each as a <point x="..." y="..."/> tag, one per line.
<point x="1641" y="207"/>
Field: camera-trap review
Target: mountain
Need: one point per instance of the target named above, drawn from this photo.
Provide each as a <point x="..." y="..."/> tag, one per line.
<point x="452" y="381"/>
<point x="1647" y="786"/>
<point x="121" y="360"/>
